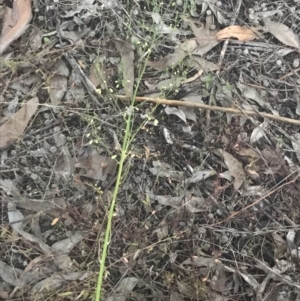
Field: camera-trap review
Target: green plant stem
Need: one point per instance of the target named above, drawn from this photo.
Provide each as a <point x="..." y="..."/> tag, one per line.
<point x="112" y="205"/>
<point x="126" y="143"/>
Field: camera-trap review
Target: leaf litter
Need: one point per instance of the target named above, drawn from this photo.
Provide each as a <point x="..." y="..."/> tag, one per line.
<point x="179" y="184"/>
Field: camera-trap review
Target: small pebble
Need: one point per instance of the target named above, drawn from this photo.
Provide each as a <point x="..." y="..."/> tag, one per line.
<point x="53" y="149"/>
<point x="13" y="152"/>
<point x="34" y="177"/>
<point x="24" y="161"/>
<point x="296" y="63"/>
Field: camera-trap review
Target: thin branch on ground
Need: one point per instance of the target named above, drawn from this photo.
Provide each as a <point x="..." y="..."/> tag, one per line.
<point x="190" y="104"/>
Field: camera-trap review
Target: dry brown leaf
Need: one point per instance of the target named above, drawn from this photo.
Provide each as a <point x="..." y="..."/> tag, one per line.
<point x="235" y="168"/>
<point x="97" y="167"/>
<point x="15" y="22"/>
<point x="173" y="59"/>
<point x="282" y="33"/>
<point x="241" y="33"/>
<point x="205" y="37"/>
<point x="13" y="129"/>
<point x="204" y="41"/>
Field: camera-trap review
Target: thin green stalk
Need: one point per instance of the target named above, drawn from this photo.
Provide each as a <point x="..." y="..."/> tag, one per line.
<point x="126" y="143"/>
<point x="112" y="206"/>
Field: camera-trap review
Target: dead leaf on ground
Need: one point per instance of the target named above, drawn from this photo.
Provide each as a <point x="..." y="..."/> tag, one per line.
<point x="173" y="59"/>
<point x="174" y="111"/>
<point x="127" y="57"/>
<point x="97" y="74"/>
<point x="282" y="33"/>
<point x="235" y="168"/>
<point x="175" y="297"/>
<point x="191" y="203"/>
<point x="204" y="41"/>
<point x="206" y="38"/>
<point x="65" y="164"/>
<point x="97" y="167"/>
<point x="57" y="88"/>
<point x="162" y="230"/>
<point x="15" y="22"/>
<point x="241" y="33"/>
<point x="124" y="289"/>
<point x="162" y="169"/>
<point x="201" y="64"/>
<point x="13" y="129"/>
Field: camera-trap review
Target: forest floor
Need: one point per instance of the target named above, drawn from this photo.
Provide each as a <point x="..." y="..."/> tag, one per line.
<point x="175" y="124"/>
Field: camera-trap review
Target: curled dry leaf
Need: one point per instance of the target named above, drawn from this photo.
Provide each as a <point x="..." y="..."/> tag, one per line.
<point x="241" y="33"/>
<point x="13" y="129"/>
<point x="15" y="22"/>
<point x="281" y="32"/>
<point x="235" y="168"/>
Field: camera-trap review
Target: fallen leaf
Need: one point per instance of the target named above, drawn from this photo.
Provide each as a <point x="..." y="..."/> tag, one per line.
<point x="201" y="64"/>
<point x="15" y="22"/>
<point x="127" y="57"/>
<point x="206" y="38"/>
<point x="258" y="133"/>
<point x="191" y="203"/>
<point x="186" y="290"/>
<point x="97" y="74"/>
<point x="65" y="164"/>
<point x="174" y="111"/>
<point x="296" y="145"/>
<point x="162" y="230"/>
<point x="175" y="297"/>
<point x="282" y="33"/>
<point x="97" y="167"/>
<point x="57" y="88"/>
<point x="235" y="168"/>
<point x="66" y="245"/>
<point x="252" y="93"/>
<point x="173" y="59"/>
<point x="15" y="217"/>
<point x="241" y="33"/>
<point x="162" y="169"/>
<point x="78" y="7"/>
<point x="56" y="281"/>
<point x="201" y="261"/>
<point x="216" y="11"/>
<point x="124" y="288"/>
<point x="13" y="129"/>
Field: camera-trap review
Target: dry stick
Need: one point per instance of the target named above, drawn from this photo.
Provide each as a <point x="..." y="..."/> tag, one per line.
<point x="289" y="74"/>
<point x="221" y="58"/>
<point x="258" y="200"/>
<point x="171" y="102"/>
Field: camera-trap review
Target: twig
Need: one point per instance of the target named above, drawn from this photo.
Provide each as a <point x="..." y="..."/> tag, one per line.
<point x="225" y="45"/>
<point x="289" y="74"/>
<point x="258" y="200"/>
<point x="221" y="58"/>
<point x="211" y="108"/>
<point x="84" y="79"/>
